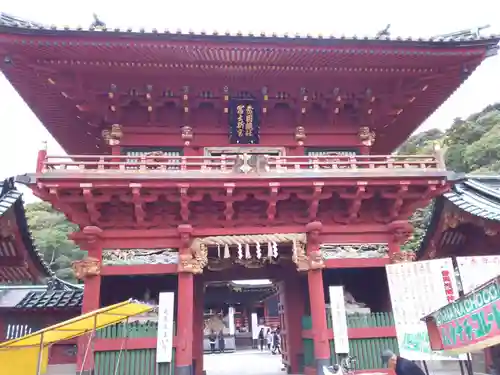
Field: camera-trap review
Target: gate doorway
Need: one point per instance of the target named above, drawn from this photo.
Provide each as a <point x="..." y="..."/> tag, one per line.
<point x="245" y="304"/>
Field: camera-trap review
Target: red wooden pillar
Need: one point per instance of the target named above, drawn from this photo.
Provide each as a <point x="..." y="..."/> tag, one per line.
<point x="393" y="247"/>
<point x="91" y="296"/>
<point x="198" y="325"/>
<point x="42" y="155"/>
<point x="116" y="150"/>
<point x="317" y="299"/>
<point x="185" y="317"/>
<point x="293" y="306"/>
<point x="185" y="305"/>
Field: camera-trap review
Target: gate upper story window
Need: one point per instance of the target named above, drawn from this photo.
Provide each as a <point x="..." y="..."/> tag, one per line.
<point x="331" y="152"/>
<point x="135" y="154"/>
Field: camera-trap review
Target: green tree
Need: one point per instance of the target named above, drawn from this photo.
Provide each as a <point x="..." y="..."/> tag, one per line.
<point x="471" y="146"/>
<point x="421" y="143"/>
<point x="420" y="221"/>
<point x="50" y="230"/>
<point x="470" y="143"/>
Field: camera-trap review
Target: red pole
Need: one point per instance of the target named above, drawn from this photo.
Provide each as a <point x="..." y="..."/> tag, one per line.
<point x="185" y="302"/>
<point x="91" y="297"/>
<point x="318" y="315"/>
<point x="317" y="300"/>
<point x="40" y="160"/>
<point x="198" y="325"/>
<point x="294" y="310"/>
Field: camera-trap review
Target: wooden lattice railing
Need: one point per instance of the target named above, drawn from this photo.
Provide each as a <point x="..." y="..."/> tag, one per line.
<point x="372" y="320"/>
<point x="239" y="163"/>
<point x="288" y="163"/>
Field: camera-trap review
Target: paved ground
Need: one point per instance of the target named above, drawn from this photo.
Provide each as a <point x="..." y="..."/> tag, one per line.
<point x="246" y="362"/>
<point x="255" y="362"/>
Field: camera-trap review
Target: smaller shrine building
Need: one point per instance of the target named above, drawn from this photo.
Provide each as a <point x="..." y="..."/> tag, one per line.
<point x="465" y="222"/>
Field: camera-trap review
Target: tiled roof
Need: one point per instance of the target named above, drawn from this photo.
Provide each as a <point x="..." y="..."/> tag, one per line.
<point x="57" y="294"/>
<point x="476" y="195"/>
<point x="8" y="195"/>
<point x="13" y="24"/>
<point x="11" y="198"/>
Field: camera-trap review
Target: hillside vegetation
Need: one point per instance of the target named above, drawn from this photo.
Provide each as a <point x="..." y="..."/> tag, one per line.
<point x="472" y="146"/>
<point x="50" y="230"/>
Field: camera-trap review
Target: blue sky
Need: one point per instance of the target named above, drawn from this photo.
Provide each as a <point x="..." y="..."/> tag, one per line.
<point x="23" y="134"/>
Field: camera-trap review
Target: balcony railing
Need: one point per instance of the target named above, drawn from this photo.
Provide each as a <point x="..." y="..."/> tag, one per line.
<point x="244" y="163"/>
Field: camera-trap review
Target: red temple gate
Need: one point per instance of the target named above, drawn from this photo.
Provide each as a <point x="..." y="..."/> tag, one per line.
<point x="177" y="141"/>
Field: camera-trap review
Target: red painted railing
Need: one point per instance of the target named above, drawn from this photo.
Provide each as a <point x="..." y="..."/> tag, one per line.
<point x="142" y="163"/>
<point x="244" y="163"/>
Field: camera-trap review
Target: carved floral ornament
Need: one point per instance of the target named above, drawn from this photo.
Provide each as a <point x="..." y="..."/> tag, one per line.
<point x="113" y="135"/>
<point x="401" y="230"/>
<point x="366" y="136"/>
<point x="87" y="267"/>
<point x="453" y="219"/>
<point x="300" y="135"/>
<point x="187" y="134"/>
<point x="402" y="257"/>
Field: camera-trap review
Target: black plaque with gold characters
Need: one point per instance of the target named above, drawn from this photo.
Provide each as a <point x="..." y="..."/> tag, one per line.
<point x="244" y="122"/>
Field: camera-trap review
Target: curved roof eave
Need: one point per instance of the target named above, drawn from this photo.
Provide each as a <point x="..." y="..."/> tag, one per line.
<point x="11" y="198"/>
<point x="476" y="195"/>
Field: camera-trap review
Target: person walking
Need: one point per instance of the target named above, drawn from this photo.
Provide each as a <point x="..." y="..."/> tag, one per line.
<point x="212" y="338"/>
<point x="261" y="339"/>
<point x="269" y="339"/>
<point x="277" y="341"/>
<point x="222" y="343"/>
<point x="400" y="365"/>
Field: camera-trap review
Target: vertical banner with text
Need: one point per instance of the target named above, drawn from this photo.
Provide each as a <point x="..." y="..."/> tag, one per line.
<point x="339" y="319"/>
<point x="231" y="320"/>
<point x="244" y="122"/>
<point x="165" y="327"/>
<point x="255" y="327"/>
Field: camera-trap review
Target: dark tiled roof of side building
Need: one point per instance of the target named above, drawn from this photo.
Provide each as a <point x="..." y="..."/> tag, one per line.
<point x="476" y="195"/>
<point x="57" y="294"/>
<point x="11" y="199"/>
<point x="9" y="23"/>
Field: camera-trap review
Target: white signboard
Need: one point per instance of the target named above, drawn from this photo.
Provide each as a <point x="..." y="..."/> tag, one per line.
<point x="417" y="289"/>
<point x="477" y="270"/>
<point x="255" y="327"/>
<point x="231" y="320"/>
<point x="165" y="327"/>
<point x="339" y="319"/>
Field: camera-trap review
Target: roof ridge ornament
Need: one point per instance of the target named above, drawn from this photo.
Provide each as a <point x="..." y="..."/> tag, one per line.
<point x="384" y="32"/>
<point x="9" y="20"/>
<point x="97" y="24"/>
<point x="472" y="33"/>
